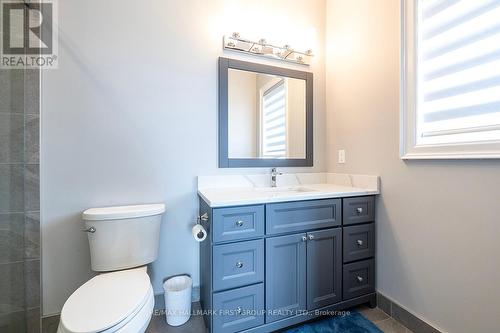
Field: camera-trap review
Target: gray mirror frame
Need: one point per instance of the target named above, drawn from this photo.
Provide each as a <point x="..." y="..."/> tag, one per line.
<point x="224" y="161"/>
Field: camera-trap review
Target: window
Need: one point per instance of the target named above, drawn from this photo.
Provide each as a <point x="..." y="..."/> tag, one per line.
<point x="450" y="82"/>
<point x="274" y="121"/>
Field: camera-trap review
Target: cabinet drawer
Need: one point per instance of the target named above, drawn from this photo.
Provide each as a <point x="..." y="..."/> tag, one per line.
<point x="237" y="223"/>
<point x="359" y="278"/>
<point x="302" y="215"/>
<point x="238" y="264"/>
<point x="238" y="309"/>
<point x="359" y="242"/>
<point x="358" y="210"/>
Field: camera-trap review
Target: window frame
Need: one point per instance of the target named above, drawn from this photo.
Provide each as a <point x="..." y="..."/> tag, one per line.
<point x="408" y="147"/>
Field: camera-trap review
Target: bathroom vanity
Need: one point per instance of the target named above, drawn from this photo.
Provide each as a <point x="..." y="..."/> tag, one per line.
<point x="278" y="256"/>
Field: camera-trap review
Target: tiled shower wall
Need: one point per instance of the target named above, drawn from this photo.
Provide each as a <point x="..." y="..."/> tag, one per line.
<point x="19" y="201"/>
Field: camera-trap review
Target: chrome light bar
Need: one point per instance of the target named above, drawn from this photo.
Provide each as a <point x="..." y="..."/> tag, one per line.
<point x="263" y="48"/>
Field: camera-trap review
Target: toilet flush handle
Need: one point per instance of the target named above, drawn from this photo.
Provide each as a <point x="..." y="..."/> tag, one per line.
<point x="91" y="230"/>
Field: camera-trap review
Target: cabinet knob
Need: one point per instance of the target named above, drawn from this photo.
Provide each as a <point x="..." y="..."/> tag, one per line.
<point x="360" y="279"/>
<point x="359" y="210"/>
<point x="304" y="238"/>
<point x="311" y="237"/>
<point x="239" y="223"/>
<point x="239" y="264"/>
<point x="239" y="310"/>
<point x="359" y="242"/>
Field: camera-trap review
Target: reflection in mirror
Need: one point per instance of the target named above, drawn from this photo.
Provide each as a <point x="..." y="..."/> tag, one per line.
<point x="266" y="116"/>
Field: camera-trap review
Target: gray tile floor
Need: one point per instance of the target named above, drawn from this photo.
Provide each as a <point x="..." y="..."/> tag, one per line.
<point x="385" y="323"/>
<point x="49" y="324"/>
<point x="197" y="325"/>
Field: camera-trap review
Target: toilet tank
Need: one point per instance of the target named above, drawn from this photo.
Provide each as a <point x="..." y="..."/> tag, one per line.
<point x="123" y="237"/>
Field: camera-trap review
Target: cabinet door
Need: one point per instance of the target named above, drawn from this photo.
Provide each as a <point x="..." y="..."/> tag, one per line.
<point x="324" y="268"/>
<point x="285" y="276"/>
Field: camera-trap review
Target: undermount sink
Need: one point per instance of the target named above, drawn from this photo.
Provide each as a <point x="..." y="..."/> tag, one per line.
<point x="283" y="189"/>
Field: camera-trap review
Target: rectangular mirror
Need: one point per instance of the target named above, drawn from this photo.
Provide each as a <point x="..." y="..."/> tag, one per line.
<point x="265" y="115"/>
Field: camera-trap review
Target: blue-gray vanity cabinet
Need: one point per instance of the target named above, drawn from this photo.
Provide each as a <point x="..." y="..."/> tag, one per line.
<point x="324" y="268"/>
<point x="285" y="276"/>
<point x="265" y="267"/>
<point x="302" y="216"/>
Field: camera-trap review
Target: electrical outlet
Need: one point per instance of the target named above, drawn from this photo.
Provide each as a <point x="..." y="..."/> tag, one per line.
<point x="341" y="156"/>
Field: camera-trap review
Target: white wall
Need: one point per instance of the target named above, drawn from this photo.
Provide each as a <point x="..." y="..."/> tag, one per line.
<point x="242" y="114"/>
<point x="437" y="222"/>
<point x="130" y="117"/>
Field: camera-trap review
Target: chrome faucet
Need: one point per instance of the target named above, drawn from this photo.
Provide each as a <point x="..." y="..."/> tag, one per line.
<point x="274" y="173"/>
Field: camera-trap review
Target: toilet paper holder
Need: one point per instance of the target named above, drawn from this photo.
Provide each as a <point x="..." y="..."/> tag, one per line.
<point x="199" y="232"/>
<point x="202" y="218"/>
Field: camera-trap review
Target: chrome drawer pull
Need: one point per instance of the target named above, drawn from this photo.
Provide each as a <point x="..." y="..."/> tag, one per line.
<point x="239" y="264"/>
<point x="239" y="223"/>
<point x="239" y="310"/>
<point x="311" y="237"/>
<point x="360" y="279"/>
<point x="359" y="210"/>
<point x="359" y="242"/>
<point x="304" y="238"/>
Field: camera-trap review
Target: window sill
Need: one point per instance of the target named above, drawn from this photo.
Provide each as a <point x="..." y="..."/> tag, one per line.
<point x="450" y="156"/>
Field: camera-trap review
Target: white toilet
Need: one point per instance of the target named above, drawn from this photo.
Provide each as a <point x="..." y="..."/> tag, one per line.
<point x="120" y="299"/>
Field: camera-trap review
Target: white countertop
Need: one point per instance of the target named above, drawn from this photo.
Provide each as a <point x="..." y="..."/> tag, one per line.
<point x="231" y="190"/>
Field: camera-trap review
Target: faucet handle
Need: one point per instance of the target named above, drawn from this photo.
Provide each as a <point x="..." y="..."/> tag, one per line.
<point x="274" y="171"/>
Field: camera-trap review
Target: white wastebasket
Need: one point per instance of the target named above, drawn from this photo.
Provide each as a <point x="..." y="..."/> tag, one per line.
<point x="178" y="299"/>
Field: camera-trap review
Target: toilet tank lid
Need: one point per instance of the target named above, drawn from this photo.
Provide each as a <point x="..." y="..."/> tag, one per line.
<point x="123" y="212"/>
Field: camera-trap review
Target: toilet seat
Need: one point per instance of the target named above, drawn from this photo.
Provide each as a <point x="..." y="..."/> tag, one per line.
<point x="138" y="322"/>
<point x="119" y="301"/>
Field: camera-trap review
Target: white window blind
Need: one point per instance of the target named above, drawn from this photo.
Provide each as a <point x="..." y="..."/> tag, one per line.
<point x="458" y="72"/>
<point x="274" y="121"/>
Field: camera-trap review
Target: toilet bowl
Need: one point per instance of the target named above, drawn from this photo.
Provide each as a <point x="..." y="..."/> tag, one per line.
<point x="120" y="299"/>
<point x="111" y="302"/>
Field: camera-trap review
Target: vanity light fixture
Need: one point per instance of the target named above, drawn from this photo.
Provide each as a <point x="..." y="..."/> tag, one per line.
<point x="235" y="42"/>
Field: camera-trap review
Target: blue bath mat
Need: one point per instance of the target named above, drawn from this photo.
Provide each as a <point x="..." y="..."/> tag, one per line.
<point x="348" y="323"/>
